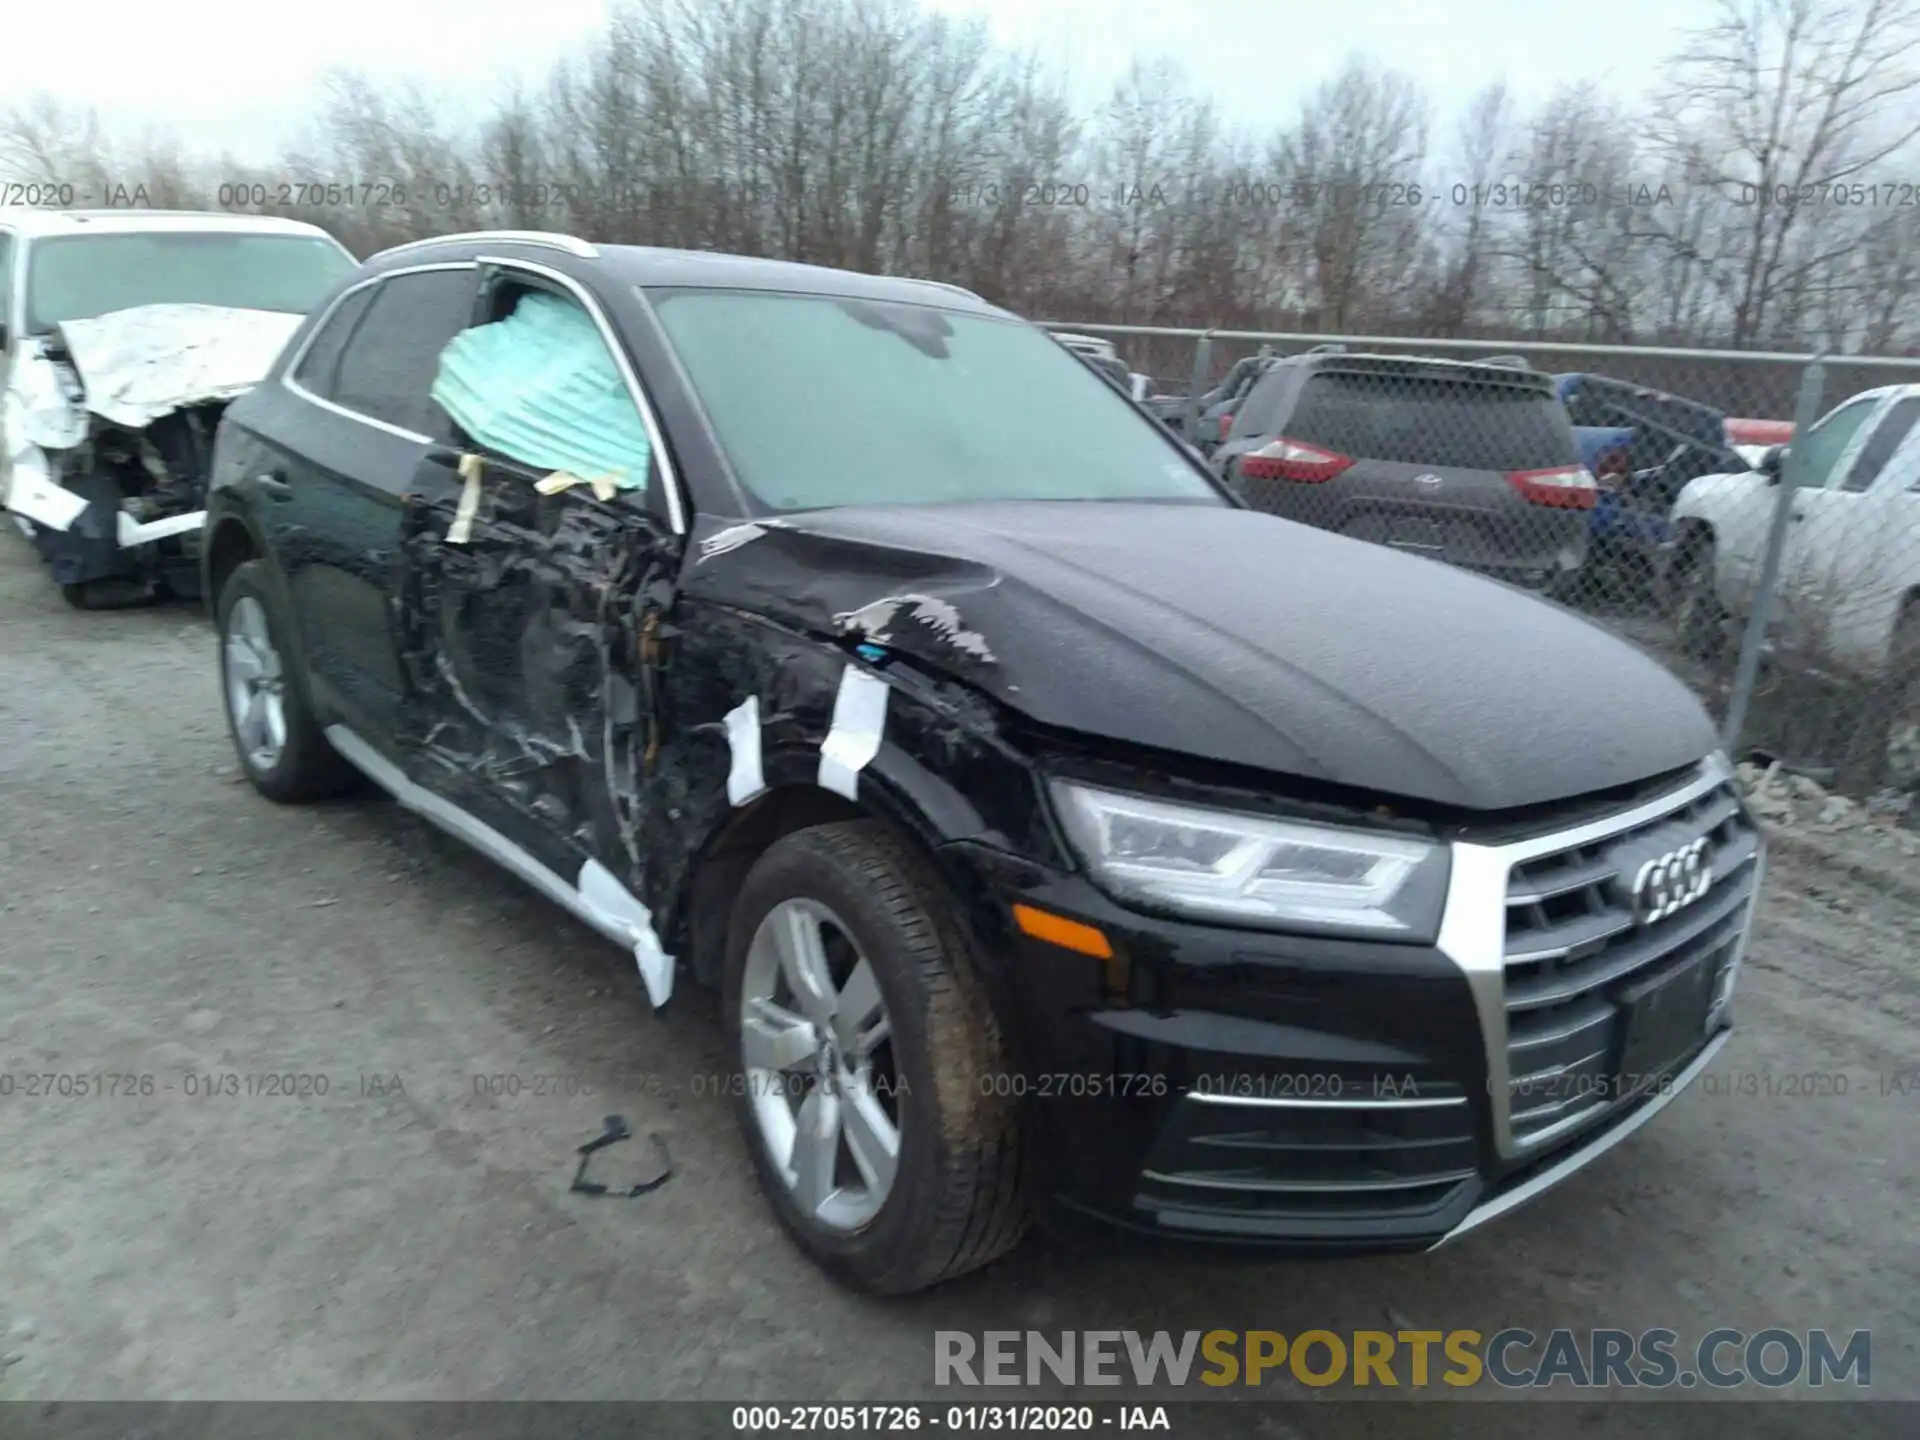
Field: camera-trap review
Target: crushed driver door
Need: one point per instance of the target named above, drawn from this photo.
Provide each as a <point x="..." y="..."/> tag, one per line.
<point x="537" y="568"/>
<point x="529" y="629"/>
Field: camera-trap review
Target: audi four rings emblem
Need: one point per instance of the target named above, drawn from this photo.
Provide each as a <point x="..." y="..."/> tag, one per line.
<point x="1675" y="879"/>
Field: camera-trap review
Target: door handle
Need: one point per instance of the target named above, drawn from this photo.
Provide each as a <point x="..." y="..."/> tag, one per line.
<point x="273" y="484"/>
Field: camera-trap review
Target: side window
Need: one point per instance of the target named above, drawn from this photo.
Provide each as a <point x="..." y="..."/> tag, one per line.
<point x="1827" y="442"/>
<point x="388" y="367"/>
<point x="538" y="385"/>
<point x="1886" y="439"/>
<point x="319" y="369"/>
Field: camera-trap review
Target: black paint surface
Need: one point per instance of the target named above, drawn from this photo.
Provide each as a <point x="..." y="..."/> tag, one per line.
<point x="1231" y="635"/>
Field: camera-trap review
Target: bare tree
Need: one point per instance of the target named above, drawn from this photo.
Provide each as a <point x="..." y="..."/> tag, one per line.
<point x="876" y="135"/>
<point x="1484" y="147"/>
<point x="44" y="142"/>
<point x="1777" y="106"/>
<point x="1350" y="170"/>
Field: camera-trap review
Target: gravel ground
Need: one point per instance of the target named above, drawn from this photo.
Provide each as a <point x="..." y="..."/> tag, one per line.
<point x="404" y="1237"/>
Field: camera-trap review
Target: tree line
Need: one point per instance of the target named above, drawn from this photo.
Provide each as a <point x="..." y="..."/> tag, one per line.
<point x="1765" y="196"/>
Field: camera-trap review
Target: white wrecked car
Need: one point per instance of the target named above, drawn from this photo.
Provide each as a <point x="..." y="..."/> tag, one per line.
<point x="123" y="336"/>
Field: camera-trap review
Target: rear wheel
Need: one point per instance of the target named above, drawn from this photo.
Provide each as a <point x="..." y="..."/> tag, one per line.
<point x="1894" y="726"/>
<point x="867" y="1055"/>
<point x="1699" y="619"/>
<point x="274" y="733"/>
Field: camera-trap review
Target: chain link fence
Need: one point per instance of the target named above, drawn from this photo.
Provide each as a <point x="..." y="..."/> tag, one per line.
<point x="1753" y="520"/>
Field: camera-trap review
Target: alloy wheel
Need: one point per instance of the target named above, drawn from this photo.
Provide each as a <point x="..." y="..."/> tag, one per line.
<point x="255" y="684"/>
<point x="816" y="1052"/>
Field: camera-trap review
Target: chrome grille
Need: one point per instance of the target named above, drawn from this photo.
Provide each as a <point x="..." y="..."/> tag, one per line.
<point x="1573" y="943"/>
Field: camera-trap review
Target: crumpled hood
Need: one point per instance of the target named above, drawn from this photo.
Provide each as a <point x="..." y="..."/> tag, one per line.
<point x="1232" y="635"/>
<point x="138" y="364"/>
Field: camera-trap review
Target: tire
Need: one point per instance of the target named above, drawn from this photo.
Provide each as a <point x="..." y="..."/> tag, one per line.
<point x="956" y="1200"/>
<point x="1699" y="619"/>
<point x="1892" y="708"/>
<point x="303" y="766"/>
<point x="112" y="592"/>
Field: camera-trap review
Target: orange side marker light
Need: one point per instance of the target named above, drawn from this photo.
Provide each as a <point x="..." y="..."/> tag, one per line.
<point x="1058" y="930"/>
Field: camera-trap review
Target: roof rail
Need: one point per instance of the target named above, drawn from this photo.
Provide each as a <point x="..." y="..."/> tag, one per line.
<point x="572" y="244"/>
<point x="956" y="289"/>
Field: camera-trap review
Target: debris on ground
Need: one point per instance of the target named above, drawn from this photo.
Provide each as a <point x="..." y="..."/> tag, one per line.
<point x="1895" y="804"/>
<point x="616" y="1129"/>
<point x="1795" y="800"/>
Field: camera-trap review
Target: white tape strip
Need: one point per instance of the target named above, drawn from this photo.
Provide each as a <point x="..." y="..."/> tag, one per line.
<point x="746" y="779"/>
<point x="859" y="720"/>
<point x="616" y="905"/>
<point x="132" y="532"/>
<point x="461" y="530"/>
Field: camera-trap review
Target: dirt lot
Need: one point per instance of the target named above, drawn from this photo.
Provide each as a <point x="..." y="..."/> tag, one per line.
<point x="402" y="1236"/>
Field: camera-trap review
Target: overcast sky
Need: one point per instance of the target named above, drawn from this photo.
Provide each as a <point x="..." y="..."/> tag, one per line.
<point x="238" y="75"/>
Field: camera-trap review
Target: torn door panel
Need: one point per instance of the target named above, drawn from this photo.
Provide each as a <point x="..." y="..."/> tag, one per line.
<point x="522" y="647"/>
<point x="110" y="423"/>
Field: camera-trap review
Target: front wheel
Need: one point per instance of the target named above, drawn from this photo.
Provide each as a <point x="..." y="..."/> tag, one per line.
<point x="1699" y="619"/>
<point x="867" y="1052"/>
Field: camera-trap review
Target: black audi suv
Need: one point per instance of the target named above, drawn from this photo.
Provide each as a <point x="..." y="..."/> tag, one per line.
<point x="1052" y="824"/>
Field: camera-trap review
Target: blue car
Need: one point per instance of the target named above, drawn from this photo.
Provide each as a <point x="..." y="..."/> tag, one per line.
<point x="1643" y="446"/>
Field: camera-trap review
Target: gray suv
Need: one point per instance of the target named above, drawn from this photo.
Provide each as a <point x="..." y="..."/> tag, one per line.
<point x="1471" y="463"/>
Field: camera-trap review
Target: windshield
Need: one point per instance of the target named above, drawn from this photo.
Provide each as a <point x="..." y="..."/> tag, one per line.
<point x="821" y="401"/>
<point x="77" y="277"/>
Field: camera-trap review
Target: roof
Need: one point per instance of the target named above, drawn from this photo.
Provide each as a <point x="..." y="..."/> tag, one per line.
<point x="32" y="222"/>
<point x="702" y="269"/>
<point x="661" y="269"/>
<point x="1483" y="370"/>
<point x="1900" y="391"/>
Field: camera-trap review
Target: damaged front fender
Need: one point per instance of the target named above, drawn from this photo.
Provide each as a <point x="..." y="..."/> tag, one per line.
<point x="772" y="727"/>
<point x="40" y="413"/>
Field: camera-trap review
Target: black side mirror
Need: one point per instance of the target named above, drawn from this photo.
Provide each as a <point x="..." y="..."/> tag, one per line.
<point x="1773" y="463"/>
<point x="4" y="337"/>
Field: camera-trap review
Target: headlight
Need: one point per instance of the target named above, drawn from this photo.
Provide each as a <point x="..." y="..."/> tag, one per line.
<point x="1221" y="865"/>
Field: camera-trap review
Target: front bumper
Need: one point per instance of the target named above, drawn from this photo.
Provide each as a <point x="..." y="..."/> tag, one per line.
<point x="1518" y="1189"/>
<point x="84" y="532"/>
<point x="1319" y="1094"/>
